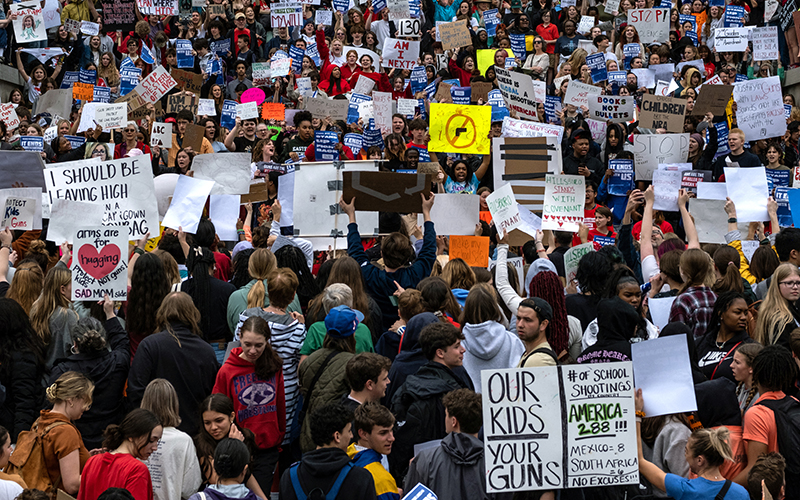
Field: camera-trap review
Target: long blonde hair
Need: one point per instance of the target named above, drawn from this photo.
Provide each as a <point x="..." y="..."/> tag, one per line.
<point x="774" y="311"/>
<point x="261" y="266"/>
<point x="49" y="301"/>
<point x="27" y="284"/>
<point x="71" y="385"/>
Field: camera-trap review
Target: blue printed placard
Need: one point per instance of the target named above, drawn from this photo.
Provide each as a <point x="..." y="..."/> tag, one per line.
<point x="688" y="18"/>
<point x="221" y="47"/>
<point x="88" y="76"/>
<point x="787" y="110"/>
<point x="692" y="36"/>
<point x="75" y="141"/>
<point x="70" y="77"/>
<point x="517" y="45"/>
<point x="424" y="156"/>
<point x="794" y="205"/>
<point x="378" y="5"/>
<point x="460" y="95"/>
<point x="296" y="54"/>
<point x="101" y="94"/>
<point x="604" y="241"/>
<point x="622" y="181"/>
<point x="490" y="21"/>
<point x="127" y="63"/>
<point x="341" y="5"/>
<point x="552" y="103"/>
<point x="630" y="50"/>
<point x="353" y="141"/>
<point x="430" y="89"/>
<point x="372" y="136"/>
<point x="784" y="212"/>
<point x="324" y="145"/>
<point x="733" y="16"/>
<point x="778" y="178"/>
<point x="419" y="79"/>
<point x="597" y="65"/>
<point x="499" y="108"/>
<point x="184" y="51"/>
<point x="414" y="9"/>
<point x="722" y="138"/>
<point x="313" y="53"/>
<point x="227" y="116"/>
<point x="129" y="79"/>
<point x="352" y="110"/>
<point x="32" y="143"/>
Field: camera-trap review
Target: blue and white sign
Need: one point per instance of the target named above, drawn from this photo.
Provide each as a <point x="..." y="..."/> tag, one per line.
<point x="184" y="51"/>
<point x="597" y="65"/>
<point x="324" y="145"/>
<point x="622" y="181"/>
<point x="32" y="143"/>
<point x="227" y="116"/>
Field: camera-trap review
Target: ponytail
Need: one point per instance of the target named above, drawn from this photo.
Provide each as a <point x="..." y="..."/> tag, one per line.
<point x="727" y="260"/>
<point x="712" y="444"/>
<point x="261" y="265"/>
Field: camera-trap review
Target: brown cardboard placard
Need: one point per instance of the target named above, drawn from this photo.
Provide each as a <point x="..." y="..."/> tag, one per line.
<point x="386" y="191"/>
<point x="662" y="112"/>
<point x="216" y="10"/>
<point x="321" y="108"/>
<point x="454" y="35"/>
<point x="63" y="495"/>
<point x="443" y="93"/>
<point x="431" y="169"/>
<point x="258" y="192"/>
<point x="188" y="81"/>
<point x="180" y="101"/>
<point x="526" y="159"/>
<point x="712" y="99"/>
<point x="480" y="90"/>
<point x="194" y="137"/>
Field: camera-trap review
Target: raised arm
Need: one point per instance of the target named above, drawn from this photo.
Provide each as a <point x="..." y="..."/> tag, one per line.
<point x="646" y="243"/>
<point x="649" y="470"/>
<point x="688" y="223"/>
<point x="21" y="67"/>
<point x="507" y="293"/>
<point x="484" y="166"/>
<point x="233" y="134"/>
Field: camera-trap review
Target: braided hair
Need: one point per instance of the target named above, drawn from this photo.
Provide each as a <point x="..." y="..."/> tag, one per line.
<point x="546" y="285"/>
<point x="200" y="261"/>
<point x="749" y="352"/>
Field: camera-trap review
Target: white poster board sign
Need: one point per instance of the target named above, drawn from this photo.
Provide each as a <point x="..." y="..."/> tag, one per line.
<point x="503" y="207"/>
<point x="651" y="24"/>
<point x="19" y="213"/>
<point x="161" y="135"/>
<point x="66" y="217"/>
<point x="230" y="172"/>
<point x="650" y="150"/>
<point x="748" y="189"/>
<point x="187" y="204"/>
<point x="662" y="371"/>
<point x="564" y="197"/>
<point x="100" y="263"/>
<point x="578" y="93"/>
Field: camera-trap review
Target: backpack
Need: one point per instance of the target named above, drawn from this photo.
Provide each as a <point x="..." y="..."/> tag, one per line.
<point x="787" y="422"/>
<point x="331" y="495"/>
<point x="28" y="460"/>
<point x="544" y="350"/>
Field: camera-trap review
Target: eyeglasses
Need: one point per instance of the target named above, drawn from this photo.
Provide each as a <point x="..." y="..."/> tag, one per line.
<point x="791" y="284"/>
<point x="537" y="41"/>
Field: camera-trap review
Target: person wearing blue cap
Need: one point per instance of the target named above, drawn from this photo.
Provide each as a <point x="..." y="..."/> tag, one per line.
<point x="322" y="374"/>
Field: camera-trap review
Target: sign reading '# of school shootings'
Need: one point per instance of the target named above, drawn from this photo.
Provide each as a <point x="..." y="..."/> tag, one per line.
<point x="124" y="188"/>
<point x="100" y="263"/>
<point x="563" y="202"/>
<point x="559" y="427"/>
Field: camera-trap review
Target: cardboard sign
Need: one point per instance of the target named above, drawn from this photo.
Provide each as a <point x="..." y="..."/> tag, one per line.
<point x="611" y="108"/>
<point x="650" y="150"/>
<point x="124" y="187"/>
<point x="112" y="115"/>
<point x="19" y="213"/>
<point x="457" y="128"/>
<point x="155" y="85"/>
<point x="480" y="91"/>
<point x="556" y="409"/>
<point x="651" y="24"/>
<point x="161" y="135"/>
<point x="563" y="202"/>
<point x="454" y="35"/>
<point x="186" y="80"/>
<point x="83" y="91"/>
<point x="179" y="102"/>
<point x="386" y="191"/>
<point x="712" y="99"/>
<point x="662" y="112"/>
<point x="193" y="138"/>
<point x="578" y="93"/>
<point x="473" y="250"/>
<point x="99" y="264"/>
<point x="322" y="108"/>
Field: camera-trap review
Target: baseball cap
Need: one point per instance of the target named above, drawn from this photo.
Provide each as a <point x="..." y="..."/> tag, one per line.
<point x="541" y="307"/>
<point x="341" y="322"/>
<point x="239" y="15"/>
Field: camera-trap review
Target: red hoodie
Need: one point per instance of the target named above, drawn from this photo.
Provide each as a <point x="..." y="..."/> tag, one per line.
<point x="259" y="405"/>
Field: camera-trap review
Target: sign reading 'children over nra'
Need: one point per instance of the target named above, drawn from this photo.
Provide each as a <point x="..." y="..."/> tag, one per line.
<point x="559" y="427"/>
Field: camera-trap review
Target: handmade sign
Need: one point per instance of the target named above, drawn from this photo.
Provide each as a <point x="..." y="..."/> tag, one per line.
<point x="161" y="135"/>
<point x="578" y="418"/>
<point x="462" y="129"/>
<point x="188" y="201"/>
<point x="408" y="27"/>
<point x="206" y="107"/>
<point x="386" y="191"/>
<point x="649" y="150"/>
<point x="180" y="101"/>
<point x="124" y="187"/>
<point x="158" y="7"/>
<point x="56" y="102"/>
<point x="29" y="22"/>
<point x="713" y="99"/>
<point x="760" y="112"/>
<point x="322" y="108"/>
<point x="119" y="15"/>
<point x="398" y="9"/>
<point x="663" y="372"/>
<point x="503" y="207"/>
<point x="83" y="91"/>
<point x="651" y="24"/>
<point x="563" y="202"/>
<point x="765" y="43"/>
<point x="473" y="250"/>
<point x="666" y="184"/>
<point x="519" y="93"/>
<point x="611" y="108"/>
<point x="283" y="15"/>
<point x="400" y="54"/>
<point x="747" y="188"/>
<point x="273" y="111"/>
<point x="382" y="107"/>
<point x="112" y="115"/>
<point x="186" y="80"/>
<point x="247" y="111"/>
<point x="155" y="85"/>
<point x="99" y="264"/>
<point x="454" y="35"/>
<point x="662" y="112"/>
<point x="19" y="213"/>
<point x="525" y="128"/>
<point x="730" y="39"/>
<point x="578" y="93"/>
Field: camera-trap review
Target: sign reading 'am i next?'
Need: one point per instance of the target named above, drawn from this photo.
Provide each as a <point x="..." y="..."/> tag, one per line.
<point x="559" y="427"/>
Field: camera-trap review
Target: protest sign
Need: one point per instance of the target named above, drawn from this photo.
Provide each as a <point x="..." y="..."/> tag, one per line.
<point x="231" y="172"/>
<point x="523" y="162"/>
<point x="611" y="108"/>
<point x="161" y="135"/>
<point x="188" y="201"/>
<point x="102" y="95"/>
<point x="322" y="108"/>
<point x="712" y="190"/>
<point x="124" y="187"/>
<point x="364" y="85"/>
<point x="622" y="181"/>
<point x="67" y="216"/>
<point x="491" y="20"/>
<point x="273" y="111"/>
<point x="119" y="15"/>
<point x="765" y="43"/>
<point x="713" y="99"/>
<point x="793" y="199"/>
<point x="29" y="22"/>
<point x="129" y="79"/>
<point x="573" y="256"/>
<point x="56" y="102"/>
<point x="733" y="16"/>
<point x="158" y="7"/>
<point x="692" y="178"/>
<point x="406" y="107"/>
<point x="408" y="28"/>
<point x="247" y="111"/>
<point x="597" y="65"/>
<point x="99" y="264"/>
<point x="83" y="91"/>
<point x="455" y="214"/>
<point x="473" y="250"/>
<point x="223" y="210"/>
<point x="649" y="150"/>
<point x="112" y="115"/>
<point x="519" y="93"/>
<point x="563" y="202"/>
<point x="155" y="85"/>
<point x="460" y="95"/>
<point x="206" y="107"/>
<point x="186" y="80"/>
<point x="731" y="39"/>
<point x="554" y="409"/>
<point x="759" y="110"/>
<point x="9" y="115"/>
<point x="666" y="184"/>
<point x="35" y="195"/>
<point x="324" y="145"/>
<point x="324" y="17"/>
<point x="382" y="106"/>
<point x="401" y="54"/>
<point x="398" y="9"/>
<point x="457" y="128"/>
<point x="578" y="93"/>
<point x="503" y="207"/>
<point x="454" y="35"/>
<point x="73" y="26"/>
<point x="586" y="24"/>
<point x="379" y="191"/>
<point x="32" y="143"/>
<point x="180" y="101"/>
<point x="443" y="94"/>
<point x="661" y="369"/>
<point x="662" y="112"/>
<point x="480" y="90"/>
<point x="645" y="77"/>
<point x="261" y="73"/>
<point x="712" y="226"/>
<point x="283" y="15"/>
<point x="19" y="213"/>
<point x="525" y="128"/>
<point x="89" y="28"/>
<point x="747" y="188"/>
<point x="651" y="24"/>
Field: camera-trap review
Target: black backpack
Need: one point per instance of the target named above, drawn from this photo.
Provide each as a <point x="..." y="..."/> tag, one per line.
<point x="787" y="421"/>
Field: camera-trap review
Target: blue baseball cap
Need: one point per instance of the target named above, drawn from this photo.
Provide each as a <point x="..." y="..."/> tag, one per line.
<point x="341" y="322"/>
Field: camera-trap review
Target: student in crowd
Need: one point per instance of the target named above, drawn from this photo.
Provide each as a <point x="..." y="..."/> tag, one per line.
<point x="231" y="463"/>
<point x="727" y="330"/>
<point x="373" y="432"/>
<point x="367" y="375"/>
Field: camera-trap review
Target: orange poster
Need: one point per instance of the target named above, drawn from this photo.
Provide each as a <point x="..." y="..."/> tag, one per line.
<point x="83" y="91"/>
<point x="273" y="111"/>
<point x="473" y="249"/>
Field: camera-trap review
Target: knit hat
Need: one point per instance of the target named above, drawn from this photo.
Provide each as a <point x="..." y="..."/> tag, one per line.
<point x="341" y="322"/>
<point x="699" y="138"/>
<point x="242" y="245"/>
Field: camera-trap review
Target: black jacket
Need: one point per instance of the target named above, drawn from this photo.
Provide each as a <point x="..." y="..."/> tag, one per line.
<point x="571" y="165"/>
<point x="746" y="159"/>
<point x="24" y="394"/>
<point x="319" y="469"/>
<point x="420" y="412"/>
<point x="191" y="366"/>
<point x="109" y="372"/>
<point x="618" y="322"/>
<point x="715" y="362"/>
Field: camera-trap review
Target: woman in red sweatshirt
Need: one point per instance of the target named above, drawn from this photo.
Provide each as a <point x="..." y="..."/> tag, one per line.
<point x="252" y="377"/>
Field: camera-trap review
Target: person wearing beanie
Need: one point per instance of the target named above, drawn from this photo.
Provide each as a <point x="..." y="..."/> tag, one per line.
<point x="323" y="373"/>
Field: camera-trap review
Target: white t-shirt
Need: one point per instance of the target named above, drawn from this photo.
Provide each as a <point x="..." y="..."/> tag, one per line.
<point x="9" y="490"/>
<point x="173" y="467"/>
<point x="381" y="30"/>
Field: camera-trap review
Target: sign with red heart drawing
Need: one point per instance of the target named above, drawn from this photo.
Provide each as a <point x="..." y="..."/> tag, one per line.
<point x="100" y="263"/>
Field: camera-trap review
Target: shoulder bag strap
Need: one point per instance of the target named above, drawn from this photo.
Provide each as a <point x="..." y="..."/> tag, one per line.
<point x="724" y="490"/>
<point x="307" y="399"/>
<point x="723" y="359"/>
<point x="298" y="488"/>
<point x="339" y="480"/>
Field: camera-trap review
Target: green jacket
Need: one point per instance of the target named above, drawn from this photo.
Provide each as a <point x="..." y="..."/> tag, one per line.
<point x="316" y="335"/>
<point x="329" y="388"/>
<point x="237" y="303"/>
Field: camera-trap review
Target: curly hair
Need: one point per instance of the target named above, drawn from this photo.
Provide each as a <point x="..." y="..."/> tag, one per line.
<point x="88" y="335"/>
<point x="149" y="286"/>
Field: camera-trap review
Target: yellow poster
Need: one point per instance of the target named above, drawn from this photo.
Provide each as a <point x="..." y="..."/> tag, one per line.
<point x="486" y="58"/>
<point x="459" y="128"/>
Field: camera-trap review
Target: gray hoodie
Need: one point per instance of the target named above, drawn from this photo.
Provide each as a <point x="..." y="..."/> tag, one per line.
<point x="489" y="346"/>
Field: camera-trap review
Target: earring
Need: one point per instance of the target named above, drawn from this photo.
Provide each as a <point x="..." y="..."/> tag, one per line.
<point x="73" y="350"/>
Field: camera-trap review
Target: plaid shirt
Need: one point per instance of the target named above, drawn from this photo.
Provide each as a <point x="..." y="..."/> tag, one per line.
<point x="693" y="307"/>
